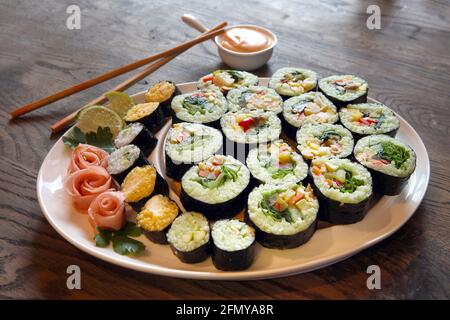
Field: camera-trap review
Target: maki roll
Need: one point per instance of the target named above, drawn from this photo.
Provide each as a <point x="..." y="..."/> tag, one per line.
<point x="344" y="189"/>
<point x="284" y="216"/>
<point x="156" y="217"/>
<point x="149" y="114"/>
<point x="218" y="187"/>
<point x="226" y="80"/>
<point x="276" y="163"/>
<point x="244" y="129"/>
<point x="308" y="107"/>
<point x="290" y="82"/>
<point x="138" y="135"/>
<point x="187" y="144"/>
<point x="189" y="237"/>
<point x="233" y="245"/>
<point x="344" y="89"/>
<point x="389" y="161"/>
<point x="123" y="160"/>
<point x="324" y="140"/>
<point x="255" y="98"/>
<point x="204" y="106"/>
<point x="369" y="118"/>
<point x="162" y="92"/>
<point x="140" y="184"/>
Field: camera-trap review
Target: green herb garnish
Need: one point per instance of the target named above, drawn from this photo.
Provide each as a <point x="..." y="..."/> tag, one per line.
<point x="102" y="139"/>
<point x="194" y="105"/>
<point x="351" y="183"/>
<point x="122" y="243"/>
<point x="393" y="153"/>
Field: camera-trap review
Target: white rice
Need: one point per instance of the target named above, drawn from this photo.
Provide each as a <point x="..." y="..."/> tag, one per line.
<point x="232" y="235"/>
<point x="255" y="98"/>
<point x="189" y="231"/>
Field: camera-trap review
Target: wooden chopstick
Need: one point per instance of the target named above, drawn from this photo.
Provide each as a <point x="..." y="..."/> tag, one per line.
<point x="66" y="121"/>
<point x="111" y="74"/>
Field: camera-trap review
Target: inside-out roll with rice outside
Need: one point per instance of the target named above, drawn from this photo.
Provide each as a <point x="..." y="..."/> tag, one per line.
<point x="245" y="129"/>
<point x="389" y="161"/>
<point x="227" y="80"/>
<point x="344" y="189"/>
<point x="217" y="187"/>
<point x="324" y="140"/>
<point x="189" y="237"/>
<point x="284" y="216"/>
<point x="289" y="82"/>
<point x="255" y="98"/>
<point x="276" y="162"/>
<point x="311" y="107"/>
<point x="189" y="143"/>
<point x="204" y="106"/>
<point x="344" y="89"/>
<point x="369" y="118"/>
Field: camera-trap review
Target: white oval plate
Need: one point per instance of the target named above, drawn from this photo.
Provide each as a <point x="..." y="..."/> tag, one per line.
<point x="328" y="245"/>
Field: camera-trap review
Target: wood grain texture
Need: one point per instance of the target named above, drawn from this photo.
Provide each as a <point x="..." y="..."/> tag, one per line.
<point x="406" y="63"/>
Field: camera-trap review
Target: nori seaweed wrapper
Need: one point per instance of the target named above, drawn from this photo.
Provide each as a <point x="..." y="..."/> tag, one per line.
<point x="195" y="256"/>
<point x="233" y="260"/>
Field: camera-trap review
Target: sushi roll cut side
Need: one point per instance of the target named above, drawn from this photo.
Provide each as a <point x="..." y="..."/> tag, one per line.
<point x="233" y="245"/>
<point x="324" y="140"/>
<point x="123" y="160"/>
<point x="189" y="237"/>
<point x="344" y="189"/>
<point x="284" y="216"/>
<point x="276" y="163"/>
<point x="344" y="89"/>
<point x="389" y="161"/>
<point x="138" y="135"/>
<point x="311" y="107"/>
<point x="369" y="118"/>
<point x="218" y="187"/>
<point x="187" y="144"/>
<point x="226" y="80"/>
<point x="255" y="98"/>
<point x="245" y="129"/>
<point x="156" y="217"/>
<point x="142" y="183"/>
<point x="162" y="92"/>
<point x="290" y="82"/>
<point x="203" y="106"/>
<point x="150" y="114"/>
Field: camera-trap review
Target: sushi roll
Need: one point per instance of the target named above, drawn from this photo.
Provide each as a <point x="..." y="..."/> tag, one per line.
<point x="290" y="82"/>
<point x="123" y="160"/>
<point x="162" y="92"/>
<point x="324" y="140"/>
<point x="344" y="89"/>
<point x="204" y="106"/>
<point x="156" y="217"/>
<point x="189" y="237"/>
<point x="245" y="129"/>
<point x="233" y="245"/>
<point x="226" y="80"/>
<point x="218" y="187"/>
<point x="187" y="144"/>
<point x="140" y="184"/>
<point x="389" y="161"/>
<point x="276" y="163"/>
<point x="307" y="107"/>
<point x="150" y="114"/>
<point x="255" y="98"/>
<point x="138" y="135"/>
<point x="344" y="189"/>
<point x="284" y="216"/>
<point x="369" y="118"/>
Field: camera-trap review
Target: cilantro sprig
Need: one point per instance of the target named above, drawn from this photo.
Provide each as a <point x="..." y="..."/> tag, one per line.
<point x="122" y="241"/>
<point x="102" y="139"/>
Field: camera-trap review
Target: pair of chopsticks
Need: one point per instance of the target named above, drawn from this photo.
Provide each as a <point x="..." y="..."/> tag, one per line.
<point x="160" y="58"/>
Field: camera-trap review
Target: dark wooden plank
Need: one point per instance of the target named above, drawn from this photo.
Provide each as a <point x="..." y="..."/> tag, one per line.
<point x="406" y="63"/>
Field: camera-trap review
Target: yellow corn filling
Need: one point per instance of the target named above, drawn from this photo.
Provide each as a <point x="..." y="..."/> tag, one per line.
<point x="139" y="183"/>
<point x="157" y="213"/>
<point x="140" y="111"/>
<point x="160" y="92"/>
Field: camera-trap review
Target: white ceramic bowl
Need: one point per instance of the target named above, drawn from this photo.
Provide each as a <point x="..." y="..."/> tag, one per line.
<point x="246" y="60"/>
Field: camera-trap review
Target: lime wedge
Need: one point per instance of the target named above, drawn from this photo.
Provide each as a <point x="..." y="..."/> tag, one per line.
<point x="92" y="117"/>
<point x="119" y="102"/>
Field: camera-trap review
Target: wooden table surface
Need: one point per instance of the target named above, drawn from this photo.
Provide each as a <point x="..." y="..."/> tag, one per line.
<point x="407" y="63"/>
